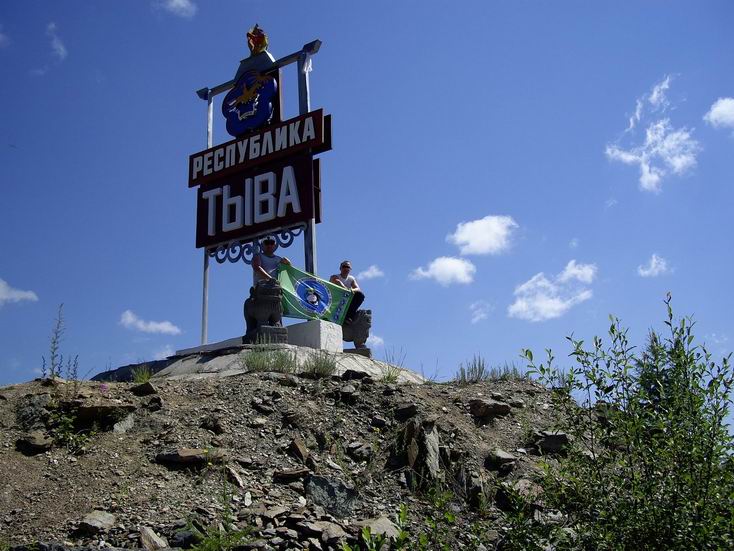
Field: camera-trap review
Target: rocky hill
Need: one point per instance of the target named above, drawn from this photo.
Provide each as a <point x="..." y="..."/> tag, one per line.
<point x="292" y="460"/>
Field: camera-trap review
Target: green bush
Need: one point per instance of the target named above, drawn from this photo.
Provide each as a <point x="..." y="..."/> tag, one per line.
<point x="141" y="374"/>
<point x="320" y="364"/>
<point x="477" y="371"/>
<point x="651" y="462"/>
<point x="262" y="359"/>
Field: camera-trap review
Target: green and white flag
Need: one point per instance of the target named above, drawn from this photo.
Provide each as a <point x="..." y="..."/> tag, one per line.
<point x="306" y="296"/>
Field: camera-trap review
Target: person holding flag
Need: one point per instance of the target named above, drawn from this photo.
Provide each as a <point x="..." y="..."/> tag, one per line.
<point x="349" y="282"/>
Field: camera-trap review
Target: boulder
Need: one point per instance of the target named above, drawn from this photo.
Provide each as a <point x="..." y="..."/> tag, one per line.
<point x="34" y="443"/>
<point x="96" y="522"/>
<point x="380" y="526"/>
<point x="150" y="540"/>
<point x="484" y="409"/>
<point x="500" y="460"/>
<point x="332" y="494"/>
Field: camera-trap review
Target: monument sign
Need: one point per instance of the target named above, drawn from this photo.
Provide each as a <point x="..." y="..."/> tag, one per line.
<point x="266" y="180"/>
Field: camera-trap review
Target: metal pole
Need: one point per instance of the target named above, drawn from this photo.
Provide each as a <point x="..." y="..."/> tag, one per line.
<point x="205" y="284"/>
<point x="304" y="106"/>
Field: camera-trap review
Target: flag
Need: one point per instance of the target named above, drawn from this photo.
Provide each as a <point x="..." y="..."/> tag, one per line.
<point x="306" y="296"/>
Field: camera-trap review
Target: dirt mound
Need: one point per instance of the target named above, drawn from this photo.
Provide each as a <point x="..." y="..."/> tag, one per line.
<point x="300" y="463"/>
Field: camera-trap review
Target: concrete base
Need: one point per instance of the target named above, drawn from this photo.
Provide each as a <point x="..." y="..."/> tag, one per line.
<point x="366" y="352"/>
<point x="221" y="345"/>
<point x="318" y="334"/>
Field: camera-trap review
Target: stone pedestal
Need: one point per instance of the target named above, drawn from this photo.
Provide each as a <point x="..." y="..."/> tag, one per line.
<point x="366" y="352"/>
<point x="267" y="334"/>
<point x="318" y="334"/>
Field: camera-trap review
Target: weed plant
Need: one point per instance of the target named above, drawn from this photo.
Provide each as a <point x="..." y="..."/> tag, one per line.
<point x="476" y="370"/>
<point x="394" y="365"/>
<point x="320" y="364"/>
<point x="141" y="374"/>
<point x="261" y="359"/>
<point x="651" y="466"/>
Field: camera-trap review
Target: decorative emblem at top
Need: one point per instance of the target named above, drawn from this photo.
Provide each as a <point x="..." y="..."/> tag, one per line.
<point x="250" y="103"/>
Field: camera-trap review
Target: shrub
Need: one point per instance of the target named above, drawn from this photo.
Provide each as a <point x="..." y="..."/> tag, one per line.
<point x="141" y="374"/>
<point x="651" y="464"/>
<point x="262" y="359"/>
<point x="320" y="364"/>
<point x="394" y="365"/>
<point x="477" y="371"/>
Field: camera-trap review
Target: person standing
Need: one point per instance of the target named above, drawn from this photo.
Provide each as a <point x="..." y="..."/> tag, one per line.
<point x="346" y="280"/>
<point x="264" y="269"/>
<point x="265" y="264"/>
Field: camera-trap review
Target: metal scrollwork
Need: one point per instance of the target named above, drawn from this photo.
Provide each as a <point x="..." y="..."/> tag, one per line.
<point x="244" y="251"/>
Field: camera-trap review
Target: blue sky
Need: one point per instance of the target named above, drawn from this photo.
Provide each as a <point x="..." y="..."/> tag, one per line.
<point x="508" y="173"/>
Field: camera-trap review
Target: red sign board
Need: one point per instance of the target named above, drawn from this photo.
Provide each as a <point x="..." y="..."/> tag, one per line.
<point x="310" y="132"/>
<point x="248" y="203"/>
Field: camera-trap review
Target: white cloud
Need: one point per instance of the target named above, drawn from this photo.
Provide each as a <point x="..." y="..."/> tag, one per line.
<point x="666" y="150"/>
<point x="131" y="321"/>
<point x="181" y="8"/>
<point x="611" y="202"/>
<point x="656" y="266"/>
<point x="479" y="310"/>
<point x="488" y="235"/>
<point x="8" y="294"/>
<point x="374" y="341"/>
<point x="39" y="72"/>
<point x="57" y="46"/>
<point x="372" y="272"/>
<point x="655" y="101"/>
<point x="721" y="113"/>
<point x="541" y="299"/>
<point x="585" y="273"/>
<point x="574" y="243"/>
<point x="657" y="97"/>
<point x="447" y="270"/>
<point x="164" y="352"/>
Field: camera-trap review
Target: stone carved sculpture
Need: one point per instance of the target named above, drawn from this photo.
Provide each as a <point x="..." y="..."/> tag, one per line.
<point x="359" y="330"/>
<point x="264" y="314"/>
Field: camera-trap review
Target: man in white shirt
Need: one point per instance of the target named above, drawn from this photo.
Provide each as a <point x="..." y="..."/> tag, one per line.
<point x="346" y="280"/>
<point x="264" y="270"/>
<point x="265" y="264"/>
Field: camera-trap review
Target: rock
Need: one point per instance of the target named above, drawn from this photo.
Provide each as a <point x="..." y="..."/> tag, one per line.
<point x="380" y="526"/>
<point x="331" y="494"/>
<point x="517" y="403"/>
<point x="185" y="539"/>
<point x="347" y="394"/>
<point x="378" y="422"/>
<point x="257" y="422"/>
<point x="353" y="375"/>
<point x="150" y="540"/>
<point x="154" y="403"/>
<point x="484" y="409"/>
<point x="259" y="405"/>
<point x="327" y="532"/>
<point x="105" y="412"/>
<point x="145" y="389"/>
<point x="418" y="448"/>
<point x="125" y="425"/>
<point x="96" y="522"/>
<point x="525" y="488"/>
<point x="213" y="423"/>
<point x="34" y="443"/>
<point x="274" y="512"/>
<point x="31" y="412"/>
<point x="500" y="460"/>
<point x="405" y="411"/>
<point x="298" y="449"/>
<point x="289" y="475"/>
<point x="234" y="477"/>
<point x="359" y="451"/>
<point x="549" y="442"/>
<point x="190" y="457"/>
